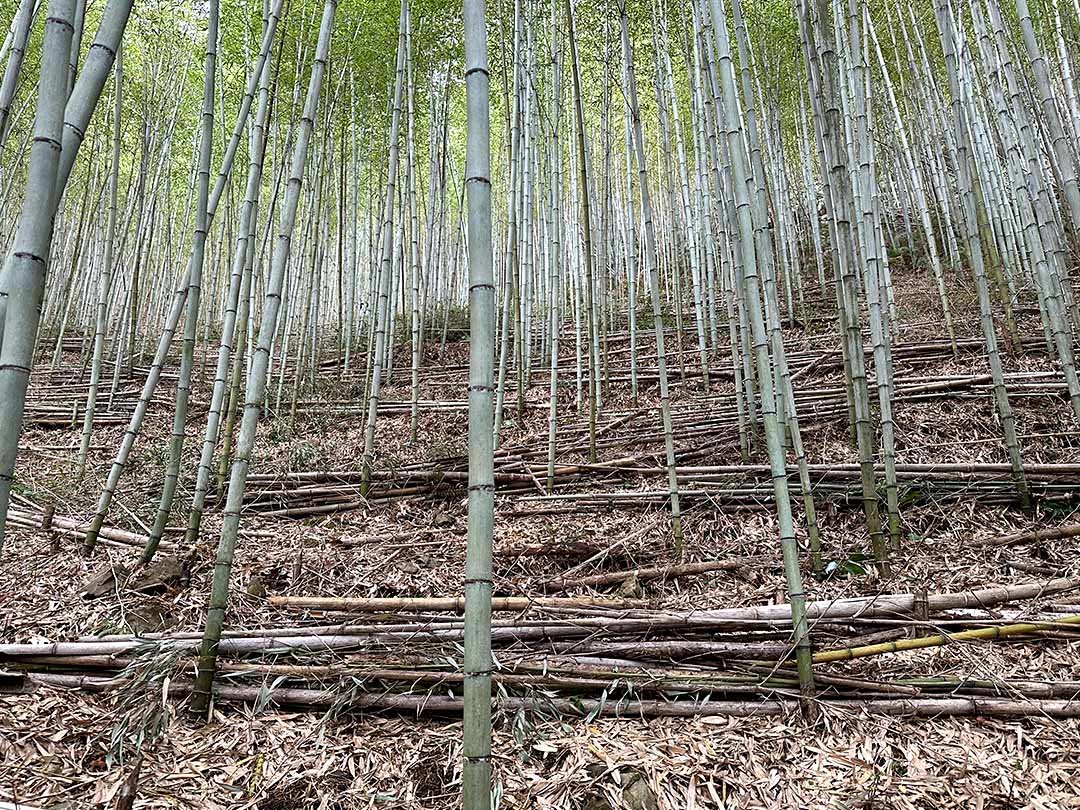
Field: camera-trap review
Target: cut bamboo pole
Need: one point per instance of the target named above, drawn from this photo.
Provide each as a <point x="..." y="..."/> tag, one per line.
<point x="457" y="604"/>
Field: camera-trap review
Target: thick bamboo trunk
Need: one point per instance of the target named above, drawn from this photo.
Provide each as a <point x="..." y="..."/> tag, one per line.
<point x="476" y="704"/>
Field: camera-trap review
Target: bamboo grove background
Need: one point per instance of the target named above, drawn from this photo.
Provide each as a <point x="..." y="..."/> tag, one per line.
<point x="271" y="201"/>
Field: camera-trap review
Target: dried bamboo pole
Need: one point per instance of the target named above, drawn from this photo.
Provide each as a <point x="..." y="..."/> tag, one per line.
<point x="435" y="705"/>
<point x="455" y="603"/>
<point x="663" y="572"/>
<point x="940" y="640"/>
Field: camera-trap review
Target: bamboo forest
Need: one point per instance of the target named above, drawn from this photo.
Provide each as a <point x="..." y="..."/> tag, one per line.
<point x="563" y="404"/>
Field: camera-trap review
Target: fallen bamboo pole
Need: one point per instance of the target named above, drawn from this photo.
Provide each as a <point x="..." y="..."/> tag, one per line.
<point x="583" y="707"/>
<point x="343" y="637"/>
<point x="658" y="572"/>
<point x="983" y="633"/>
<point x="1057" y="533"/>
<point x="450" y="603"/>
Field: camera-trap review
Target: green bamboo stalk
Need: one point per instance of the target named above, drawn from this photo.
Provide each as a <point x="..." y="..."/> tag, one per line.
<point x="24" y="280"/>
<point x="476" y="731"/>
<point x="586" y="229"/>
<point x="652" y="271"/>
<point x="716" y="19"/>
<point x="245" y="249"/>
<point x="194" y="291"/>
<point x="556" y="254"/>
<point x="104" y="277"/>
<point x="256" y="383"/>
<point x="383" y="316"/>
<point x="975" y="253"/>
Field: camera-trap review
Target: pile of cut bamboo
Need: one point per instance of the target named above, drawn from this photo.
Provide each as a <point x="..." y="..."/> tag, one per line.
<point x="587" y="655"/>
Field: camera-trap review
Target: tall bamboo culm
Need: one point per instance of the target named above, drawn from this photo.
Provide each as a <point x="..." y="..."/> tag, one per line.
<point x="256" y="382"/>
<point x="476" y="748"/>
<point x="24" y="279"/>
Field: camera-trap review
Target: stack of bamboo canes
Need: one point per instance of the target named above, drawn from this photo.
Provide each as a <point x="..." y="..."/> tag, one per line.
<point x="591" y="655"/>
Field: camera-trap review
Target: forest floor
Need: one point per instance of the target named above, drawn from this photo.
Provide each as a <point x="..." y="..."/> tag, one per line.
<point x="71" y="748"/>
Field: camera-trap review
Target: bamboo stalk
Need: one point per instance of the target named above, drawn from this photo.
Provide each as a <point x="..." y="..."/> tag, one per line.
<point x="1036" y="536"/>
<point x="664" y="572"/>
<point x="440" y="705"/>
<point x="457" y="604"/>
<point x="983" y="633"/>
